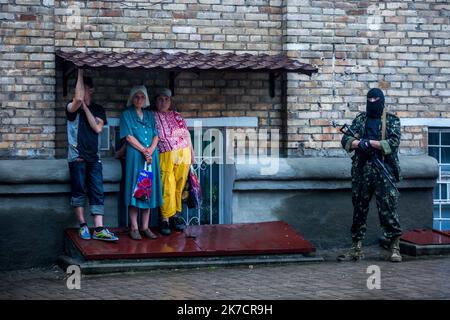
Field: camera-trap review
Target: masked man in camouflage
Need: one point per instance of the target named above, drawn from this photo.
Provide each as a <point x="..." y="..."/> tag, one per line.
<point x="378" y="135"/>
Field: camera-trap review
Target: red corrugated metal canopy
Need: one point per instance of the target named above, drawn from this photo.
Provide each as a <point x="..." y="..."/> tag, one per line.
<point x="186" y="61"/>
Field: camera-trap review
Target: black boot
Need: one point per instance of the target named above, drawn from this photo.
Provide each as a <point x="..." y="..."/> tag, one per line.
<point x="395" y="255"/>
<point x="354" y="254"/>
<point x="164" y="228"/>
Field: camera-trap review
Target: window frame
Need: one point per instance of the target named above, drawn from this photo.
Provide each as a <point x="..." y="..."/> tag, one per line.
<point x="439" y="202"/>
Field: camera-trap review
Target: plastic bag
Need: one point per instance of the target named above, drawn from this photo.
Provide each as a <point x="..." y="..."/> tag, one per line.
<point x="143" y="189"/>
<point x="195" y="198"/>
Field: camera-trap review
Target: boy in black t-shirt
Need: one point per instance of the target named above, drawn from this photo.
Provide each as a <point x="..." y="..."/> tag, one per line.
<point x="85" y="121"/>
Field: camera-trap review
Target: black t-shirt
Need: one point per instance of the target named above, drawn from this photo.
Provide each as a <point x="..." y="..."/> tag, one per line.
<point x="87" y="139"/>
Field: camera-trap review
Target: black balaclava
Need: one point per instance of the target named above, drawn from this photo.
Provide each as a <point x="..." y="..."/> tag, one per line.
<point x="374" y="113"/>
<point x="375" y="109"/>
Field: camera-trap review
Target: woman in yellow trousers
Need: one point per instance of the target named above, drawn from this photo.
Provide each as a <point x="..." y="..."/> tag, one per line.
<point x="175" y="155"/>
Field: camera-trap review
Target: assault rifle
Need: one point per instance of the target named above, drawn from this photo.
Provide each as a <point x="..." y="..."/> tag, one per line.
<point x="379" y="165"/>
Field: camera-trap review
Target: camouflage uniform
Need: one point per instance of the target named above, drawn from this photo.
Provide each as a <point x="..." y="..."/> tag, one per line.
<point x="366" y="180"/>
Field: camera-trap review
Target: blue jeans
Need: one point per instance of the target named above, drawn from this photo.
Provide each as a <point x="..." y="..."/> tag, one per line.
<point x="86" y="180"/>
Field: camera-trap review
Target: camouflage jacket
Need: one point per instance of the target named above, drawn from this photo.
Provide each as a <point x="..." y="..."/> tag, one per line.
<point x="389" y="146"/>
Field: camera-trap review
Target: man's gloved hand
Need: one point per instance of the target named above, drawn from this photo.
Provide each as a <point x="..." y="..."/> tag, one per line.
<point x="364" y="145"/>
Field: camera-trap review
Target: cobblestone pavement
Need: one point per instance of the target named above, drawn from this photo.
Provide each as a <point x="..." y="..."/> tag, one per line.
<point x="415" y="278"/>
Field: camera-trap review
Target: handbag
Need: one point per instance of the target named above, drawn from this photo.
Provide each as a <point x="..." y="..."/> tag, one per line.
<point x="143" y="189"/>
<point x="195" y="199"/>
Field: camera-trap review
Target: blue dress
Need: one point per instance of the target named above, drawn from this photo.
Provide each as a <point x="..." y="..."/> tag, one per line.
<point x="144" y="130"/>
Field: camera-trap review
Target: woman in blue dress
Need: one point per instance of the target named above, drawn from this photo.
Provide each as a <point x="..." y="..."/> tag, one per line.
<point x="137" y="126"/>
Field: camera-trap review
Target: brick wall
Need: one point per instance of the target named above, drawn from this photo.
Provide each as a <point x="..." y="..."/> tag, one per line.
<point x="193" y="25"/>
<point x="400" y="46"/>
<point x="27" y="79"/>
<point x="219" y="25"/>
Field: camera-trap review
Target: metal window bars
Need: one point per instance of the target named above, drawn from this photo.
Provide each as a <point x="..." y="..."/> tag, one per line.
<point x="210" y="171"/>
<point x="439" y="148"/>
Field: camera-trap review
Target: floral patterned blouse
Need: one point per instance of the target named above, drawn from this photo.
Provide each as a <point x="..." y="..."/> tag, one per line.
<point x="172" y="131"/>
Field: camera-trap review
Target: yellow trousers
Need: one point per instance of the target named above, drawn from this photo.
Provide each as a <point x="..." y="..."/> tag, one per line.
<point x="174" y="173"/>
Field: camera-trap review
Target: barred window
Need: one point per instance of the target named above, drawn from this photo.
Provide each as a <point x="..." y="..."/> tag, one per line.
<point x="439" y="148"/>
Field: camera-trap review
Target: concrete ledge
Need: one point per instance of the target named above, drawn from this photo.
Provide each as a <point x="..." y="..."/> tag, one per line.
<point x="320" y="184"/>
<point x="112" y="266"/>
<point x="49" y="176"/>
<point x="412" y="249"/>
<point x="52" y="171"/>
<point x="55" y="188"/>
<point x="328" y="173"/>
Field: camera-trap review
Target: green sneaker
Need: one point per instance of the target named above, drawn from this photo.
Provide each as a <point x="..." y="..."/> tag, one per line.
<point x="104" y="235"/>
<point x="84" y="233"/>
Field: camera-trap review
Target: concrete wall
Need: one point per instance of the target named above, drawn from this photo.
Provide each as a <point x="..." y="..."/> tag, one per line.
<point x="35" y="210"/>
<point x="313" y="195"/>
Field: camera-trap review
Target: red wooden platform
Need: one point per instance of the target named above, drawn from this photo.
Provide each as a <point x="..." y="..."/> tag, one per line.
<point x="275" y="237"/>
<point x="427" y="237"/>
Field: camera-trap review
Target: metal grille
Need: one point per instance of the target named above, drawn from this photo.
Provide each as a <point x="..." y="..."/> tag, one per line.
<point x="439" y="148"/>
<point x="210" y="175"/>
<point x="104" y="138"/>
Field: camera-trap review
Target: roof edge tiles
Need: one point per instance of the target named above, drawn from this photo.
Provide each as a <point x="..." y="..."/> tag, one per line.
<point x="186" y="61"/>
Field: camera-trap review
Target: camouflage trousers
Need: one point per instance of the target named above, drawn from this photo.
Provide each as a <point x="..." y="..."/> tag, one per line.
<point x="365" y="182"/>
